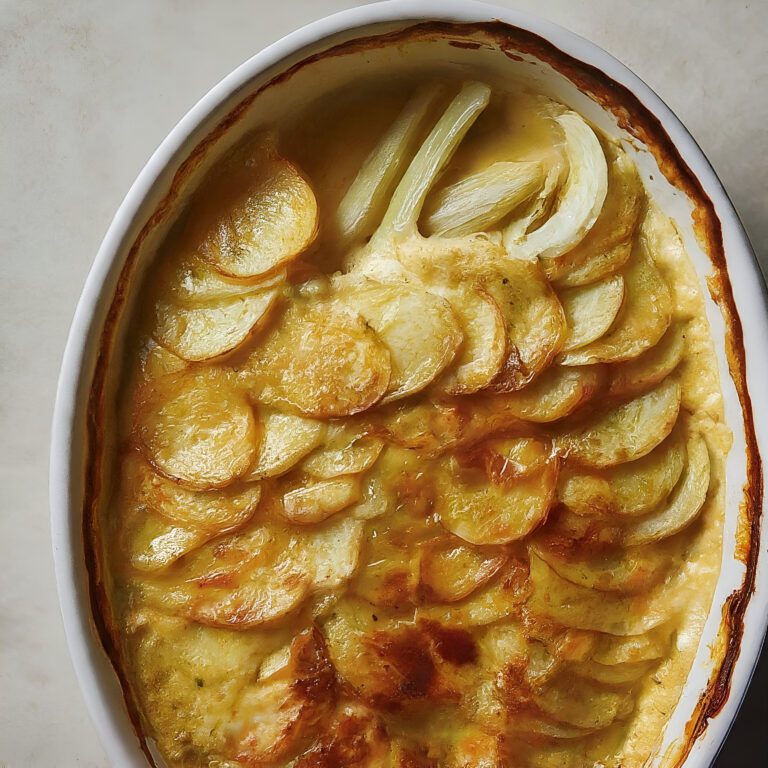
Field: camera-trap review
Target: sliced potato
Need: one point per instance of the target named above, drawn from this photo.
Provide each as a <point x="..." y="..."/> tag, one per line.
<point x="197" y="428"/>
<point x="330" y="554"/>
<point x="557" y="599"/>
<point x="684" y="504"/>
<point x="627" y="432"/>
<point x="634" y="488"/>
<point x="582" y="196"/>
<point x="194" y="281"/>
<point x="270" y="217"/>
<point x="153" y="542"/>
<point x="157" y="361"/>
<point x="376" y="500"/>
<point x="321" y="360"/>
<point x="629" y="571"/>
<point x="217" y="510"/>
<point x="345" y="452"/>
<point x="632" y="649"/>
<point x="243" y="581"/>
<point x="286" y="440"/>
<point x="484" y="350"/>
<point x="479" y="201"/>
<point x="318" y="501"/>
<point x="557" y="393"/>
<point x="536" y="324"/>
<point x="590" y="310"/>
<point x="206" y="332"/>
<point x="419" y="328"/>
<point x="451" y="571"/>
<point x="579" y="703"/>
<point x="643" y="320"/>
<point x="481" y="512"/>
<point x="542" y="726"/>
<point x="606" y="247"/>
<point x="651" y="367"/>
<point x="614" y="674"/>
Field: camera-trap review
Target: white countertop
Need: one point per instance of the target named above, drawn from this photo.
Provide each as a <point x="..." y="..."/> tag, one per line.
<point x="88" y="91"/>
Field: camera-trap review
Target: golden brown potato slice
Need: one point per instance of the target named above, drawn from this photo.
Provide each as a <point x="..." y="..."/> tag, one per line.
<point x="198" y="428"/>
<point x="590" y="310"/>
<point x="451" y="571"/>
<point x="577" y="702"/>
<point x="193" y="281"/>
<point x="419" y="328"/>
<point x="634" y="488"/>
<point x="615" y="674"/>
<point x="629" y="571"/>
<point x="216" y="510"/>
<point x="317" y="501"/>
<point x="557" y="393"/>
<point x="376" y="500"/>
<point x="651" y="367"/>
<point x="346" y="451"/>
<point x="683" y="505"/>
<point x="286" y="440"/>
<point x="557" y="599"/>
<point x="483" y="512"/>
<point x="157" y="361"/>
<point x="644" y="317"/>
<point x="321" y="360"/>
<point x="606" y="246"/>
<point x="626" y="432"/>
<point x="242" y="581"/>
<point x="205" y="332"/>
<point x="278" y="717"/>
<point x="270" y="217"/>
<point x="633" y="649"/>
<point x="484" y="349"/>
<point x="154" y="542"/>
<point x="536" y="324"/>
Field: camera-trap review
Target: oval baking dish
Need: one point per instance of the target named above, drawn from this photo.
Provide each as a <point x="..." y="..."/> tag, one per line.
<point x="463" y="39"/>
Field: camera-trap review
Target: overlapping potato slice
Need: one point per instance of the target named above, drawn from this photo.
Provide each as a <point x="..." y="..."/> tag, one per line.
<point x="157" y="361"/>
<point x="315" y="502"/>
<point x="196" y="427"/>
<point x="205" y="332"/>
<point x="629" y="571"/>
<point x="606" y="247"/>
<point x="684" y="503"/>
<point x="279" y="717"/>
<point x="153" y="542"/>
<point x="345" y="451"/>
<point x="633" y="488"/>
<point x="557" y="599"/>
<point x="321" y="360"/>
<point x="269" y="216"/>
<point x="484" y="346"/>
<point x="632" y="649"/>
<point x="579" y="703"/>
<point x="651" y="367"/>
<point x="215" y="510"/>
<point x="483" y="512"/>
<point x="419" y="328"/>
<point x="536" y="324"/>
<point x="330" y="554"/>
<point x="286" y="440"/>
<point x="626" y="432"/>
<point x="193" y="281"/>
<point x="451" y="571"/>
<point x="479" y="201"/>
<point x="590" y="310"/>
<point x="581" y="199"/>
<point x="614" y="674"/>
<point x="557" y="393"/>
<point x="644" y="317"/>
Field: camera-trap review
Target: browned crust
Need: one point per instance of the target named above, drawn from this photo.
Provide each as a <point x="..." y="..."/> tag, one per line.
<point x="639" y="122"/>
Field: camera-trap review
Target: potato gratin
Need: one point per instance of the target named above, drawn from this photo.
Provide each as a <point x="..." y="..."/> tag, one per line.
<point x="422" y="448"/>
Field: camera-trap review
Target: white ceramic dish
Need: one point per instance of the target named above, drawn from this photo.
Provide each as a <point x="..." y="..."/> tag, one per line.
<point x="578" y="73"/>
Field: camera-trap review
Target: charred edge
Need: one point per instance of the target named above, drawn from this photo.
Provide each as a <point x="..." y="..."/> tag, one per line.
<point x="633" y="117"/>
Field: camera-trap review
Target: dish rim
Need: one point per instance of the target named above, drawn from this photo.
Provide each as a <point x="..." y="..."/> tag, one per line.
<point x="89" y="660"/>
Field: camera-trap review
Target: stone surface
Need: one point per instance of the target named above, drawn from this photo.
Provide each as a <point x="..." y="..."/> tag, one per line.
<point x="88" y="91"/>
